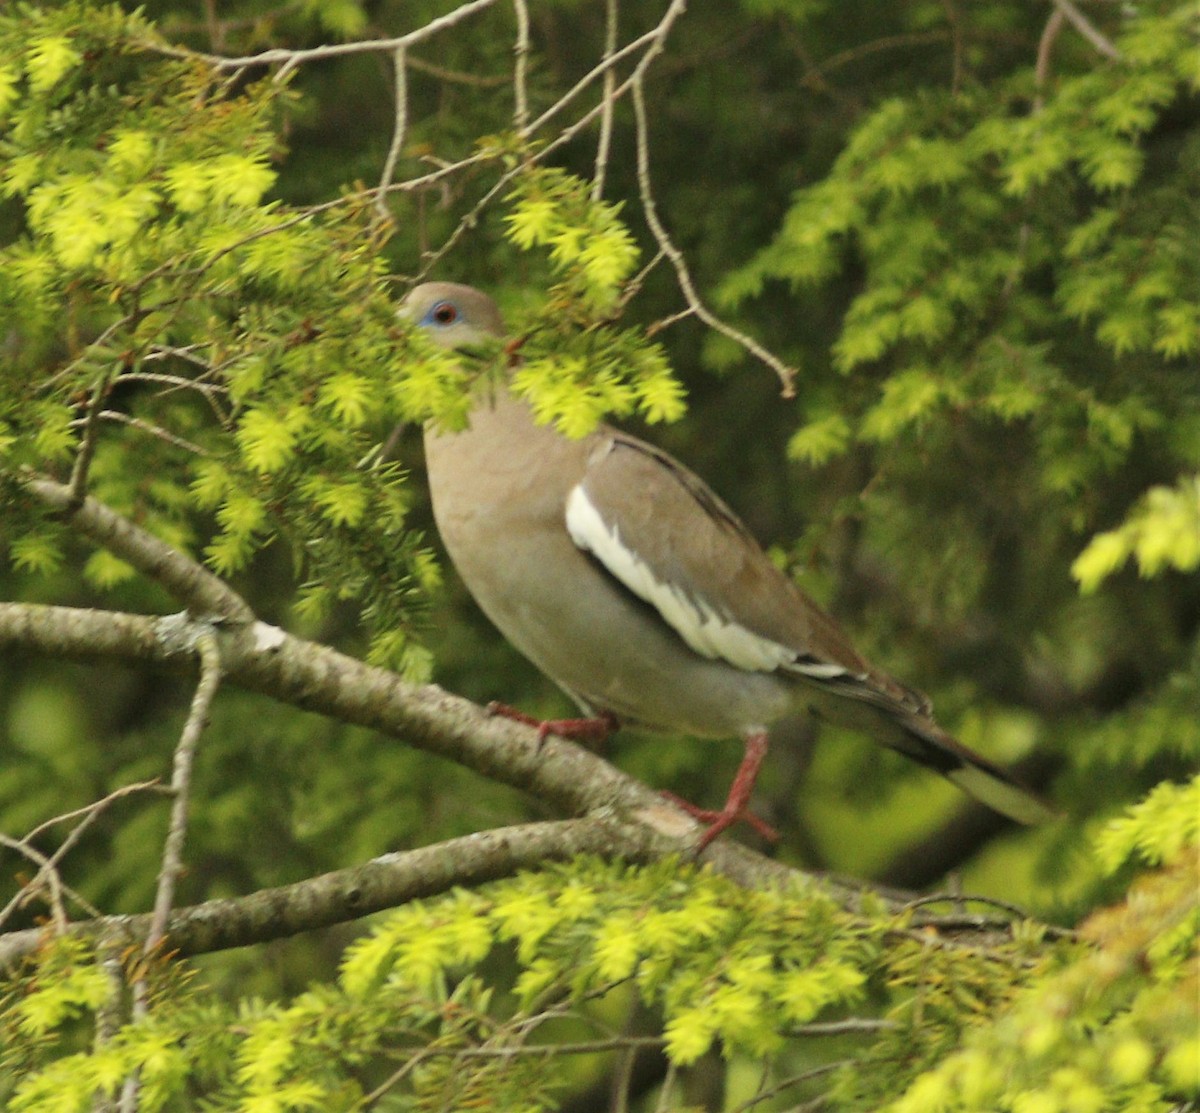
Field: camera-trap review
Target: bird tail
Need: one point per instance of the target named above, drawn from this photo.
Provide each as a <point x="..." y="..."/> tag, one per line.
<point x="925" y="742"/>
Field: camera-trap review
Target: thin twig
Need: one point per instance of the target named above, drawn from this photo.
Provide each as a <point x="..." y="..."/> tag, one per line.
<point x="209" y="652"/>
<point x="94" y="346"/>
<point x="815" y="72"/>
<point x="77" y="484"/>
<point x="682" y="273"/>
<point x="668" y="1084"/>
<point x="431" y="259"/>
<point x="399" y="128"/>
<point x="1045" y="51"/>
<point x="666" y="322"/>
<point x="651" y="39"/>
<point x="49" y="865"/>
<point x="290" y="59"/>
<point x="854" y="1025"/>
<point x="566" y="1005"/>
<point x="443" y="73"/>
<point x="634" y="286"/>
<point x="604" y="144"/>
<point x="110" y="1014"/>
<point x="396" y="1077"/>
<point x="160" y="352"/>
<point x="789" y="1082"/>
<point x="46" y="872"/>
<point x="622" y="1081"/>
<point x="961" y="900"/>
<point x="1084" y="26"/>
<point x="212" y="393"/>
<point x="813" y="1105"/>
<point x="163" y="270"/>
<point x="1041" y="76"/>
<point x="579" y="1047"/>
<point x="144" y="426"/>
<point x="521" y="67"/>
<point x="90" y="811"/>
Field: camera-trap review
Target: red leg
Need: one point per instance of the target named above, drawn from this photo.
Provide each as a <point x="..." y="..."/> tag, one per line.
<point x="595" y="729"/>
<point x="735" y="809"/>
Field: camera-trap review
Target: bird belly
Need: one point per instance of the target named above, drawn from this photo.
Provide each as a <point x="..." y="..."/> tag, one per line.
<point x="605" y="647"/>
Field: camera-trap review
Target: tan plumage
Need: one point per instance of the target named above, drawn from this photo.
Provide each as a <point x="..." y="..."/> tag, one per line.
<point x="617" y="572"/>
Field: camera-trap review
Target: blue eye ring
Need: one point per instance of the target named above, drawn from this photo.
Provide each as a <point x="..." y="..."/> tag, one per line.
<point x="444" y="313"/>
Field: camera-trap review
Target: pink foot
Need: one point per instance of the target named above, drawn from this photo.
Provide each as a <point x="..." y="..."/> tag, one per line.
<point x="722" y="820"/>
<point x="594" y="730"/>
<point x="735" y="809"/>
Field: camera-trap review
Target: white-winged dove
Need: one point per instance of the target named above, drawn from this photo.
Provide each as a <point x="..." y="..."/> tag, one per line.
<point x="623" y="578"/>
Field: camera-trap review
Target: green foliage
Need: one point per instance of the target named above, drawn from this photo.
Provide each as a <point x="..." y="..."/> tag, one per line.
<point x="1163" y="531"/>
<point x="574" y="370"/>
<point x="587" y="243"/>
<point x="71" y="984"/>
<point x="149" y="227"/>
<point x="989" y="221"/>
<point x="230" y="344"/>
<point x="1156" y="831"/>
<point x="720" y="964"/>
<point x="1116" y="1029"/>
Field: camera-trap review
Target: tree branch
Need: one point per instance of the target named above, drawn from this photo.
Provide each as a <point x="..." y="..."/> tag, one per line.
<point x="604" y="144"/>
<point x="399" y="129"/>
<point x="521" y="66"/>
<point x="265" y="659"/>
<point x="384" y="882"/>
<point x="87" y="441"/>
<point x="49" y="865"/>
<point x="1083" y="25"/>
<point x="187" y="581"/>
<point x="290" y="59"/>
<point x="209" y="653"/>
<point x="683" y="275"/>
<point x="143" y="426"/>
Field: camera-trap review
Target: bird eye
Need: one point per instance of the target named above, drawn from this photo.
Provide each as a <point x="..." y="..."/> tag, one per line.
<point x="444" y="313"/>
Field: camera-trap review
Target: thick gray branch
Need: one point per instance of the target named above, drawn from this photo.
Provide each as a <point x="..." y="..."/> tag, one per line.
<point x="188" y="582"/>
<point x="314" y="677"/>
<point x="382" y="883"/>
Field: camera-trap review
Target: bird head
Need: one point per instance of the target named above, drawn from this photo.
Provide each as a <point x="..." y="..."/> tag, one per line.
<point x="453" y="316"/>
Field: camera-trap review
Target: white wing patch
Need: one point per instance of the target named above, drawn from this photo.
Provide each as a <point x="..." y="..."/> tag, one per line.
<point x="702" y="626"/>
<point x="822" y="670"/>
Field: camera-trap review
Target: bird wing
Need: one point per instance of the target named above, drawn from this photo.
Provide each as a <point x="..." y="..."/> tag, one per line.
<point x="657" y="528"/>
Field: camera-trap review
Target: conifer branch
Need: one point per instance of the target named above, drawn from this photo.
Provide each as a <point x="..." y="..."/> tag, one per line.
<point x="187" y="581"/>
<point x="349" y="894"/>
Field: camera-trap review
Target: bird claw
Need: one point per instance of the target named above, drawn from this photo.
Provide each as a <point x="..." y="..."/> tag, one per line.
<point x="595" y="729"/>
<point x="722" y="820"/>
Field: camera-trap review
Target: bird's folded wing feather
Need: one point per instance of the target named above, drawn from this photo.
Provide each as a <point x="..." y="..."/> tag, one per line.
<point x="659" y="530"/>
